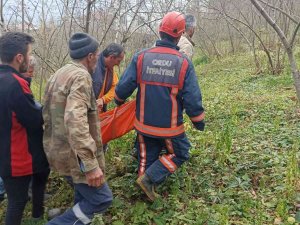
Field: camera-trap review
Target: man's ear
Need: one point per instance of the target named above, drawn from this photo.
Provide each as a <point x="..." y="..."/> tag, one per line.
<point x="19" y="58"/>
<point x="90" y="56"/>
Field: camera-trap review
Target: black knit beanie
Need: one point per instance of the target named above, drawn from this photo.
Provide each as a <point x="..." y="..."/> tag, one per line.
<point x="81" y="44"/>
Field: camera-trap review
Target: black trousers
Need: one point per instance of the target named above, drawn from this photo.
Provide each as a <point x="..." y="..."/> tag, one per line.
<point x="17" y="196"/>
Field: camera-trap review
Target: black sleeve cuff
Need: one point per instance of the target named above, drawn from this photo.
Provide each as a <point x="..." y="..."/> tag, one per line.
<point x="199" y="125"/>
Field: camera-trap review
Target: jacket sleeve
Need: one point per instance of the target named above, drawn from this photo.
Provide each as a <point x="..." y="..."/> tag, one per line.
<point x="28" y="113"/>
<point x="192" y="98"/>
<point x="110" y="94"/>
<point x="76" y="123"/>
<point x="127" y="83"/>
<point x="186" y="49"/>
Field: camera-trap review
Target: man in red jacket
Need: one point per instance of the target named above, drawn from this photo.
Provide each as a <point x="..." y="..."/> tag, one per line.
<point x="21" y="157"/>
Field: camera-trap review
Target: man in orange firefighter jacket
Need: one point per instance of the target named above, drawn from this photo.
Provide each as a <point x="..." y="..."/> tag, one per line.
<point x="167" y="85"/>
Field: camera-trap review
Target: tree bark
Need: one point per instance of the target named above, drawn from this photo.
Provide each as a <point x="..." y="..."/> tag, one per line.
<point x="1" y="18"/>
<point x="23" y="14"/>
<point x="288" y="46"/>
<point x="258" y="37"/>
<point x="88" y="15"/>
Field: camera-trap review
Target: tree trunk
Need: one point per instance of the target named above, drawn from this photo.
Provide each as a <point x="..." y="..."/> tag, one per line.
<point x="23" y="19"/>
<point x="88" y="15"/>
<point x="231" y="39"/>
<point x="2" y="26"/>
<point x="295" y="71"/>
<point x="288" y="46"/>
<point x="259" y="39"/>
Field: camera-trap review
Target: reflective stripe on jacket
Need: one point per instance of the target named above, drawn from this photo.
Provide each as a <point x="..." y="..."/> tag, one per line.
<point x="167" y="85"/>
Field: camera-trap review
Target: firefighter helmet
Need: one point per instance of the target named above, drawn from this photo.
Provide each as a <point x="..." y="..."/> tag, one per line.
<point x="173" y="24"/>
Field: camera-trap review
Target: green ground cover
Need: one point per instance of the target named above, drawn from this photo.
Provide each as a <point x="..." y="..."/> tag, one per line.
<point x="244" y="169"/>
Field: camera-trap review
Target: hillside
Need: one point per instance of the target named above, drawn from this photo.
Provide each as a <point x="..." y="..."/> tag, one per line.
<point x="244" y="169"/>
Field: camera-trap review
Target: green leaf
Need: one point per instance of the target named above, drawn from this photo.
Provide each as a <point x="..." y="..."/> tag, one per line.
<point x="118" y="222"/>
<point x="297" y="217"/>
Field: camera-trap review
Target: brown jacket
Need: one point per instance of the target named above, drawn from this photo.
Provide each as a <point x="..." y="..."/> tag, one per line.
<point x="186" y="46"/>
<point x="72" y="138"/>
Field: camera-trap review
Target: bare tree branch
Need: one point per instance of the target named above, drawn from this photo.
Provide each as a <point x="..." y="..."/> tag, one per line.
<point x="280" y="10"/>
<point x="294" y="35"/>
<point x="44" y="60"/>
<point x="138" y="27"/>
<point x="287" y="45"/>
<point x="88" y="14"/>
<point x="111" y="22"/>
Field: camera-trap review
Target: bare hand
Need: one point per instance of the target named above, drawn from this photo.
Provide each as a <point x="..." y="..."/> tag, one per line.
<point x="100" y="104"/>
<point x="95" y="178"/>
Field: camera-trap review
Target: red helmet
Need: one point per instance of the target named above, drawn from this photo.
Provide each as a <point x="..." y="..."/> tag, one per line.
<point x="173" y="24"/>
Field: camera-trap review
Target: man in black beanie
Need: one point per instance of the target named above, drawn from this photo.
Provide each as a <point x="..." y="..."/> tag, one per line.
<point x="72" y="139"/>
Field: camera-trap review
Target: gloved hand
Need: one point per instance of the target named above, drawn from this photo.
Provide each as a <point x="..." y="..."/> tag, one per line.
<point x="118" y="103"/>
<point x="199" y="125"/>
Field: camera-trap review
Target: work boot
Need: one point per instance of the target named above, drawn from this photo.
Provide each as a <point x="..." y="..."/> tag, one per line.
<point x="147" y="186"/>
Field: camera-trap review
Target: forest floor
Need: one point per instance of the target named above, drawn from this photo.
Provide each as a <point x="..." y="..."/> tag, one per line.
<point x="244" y="168"/>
